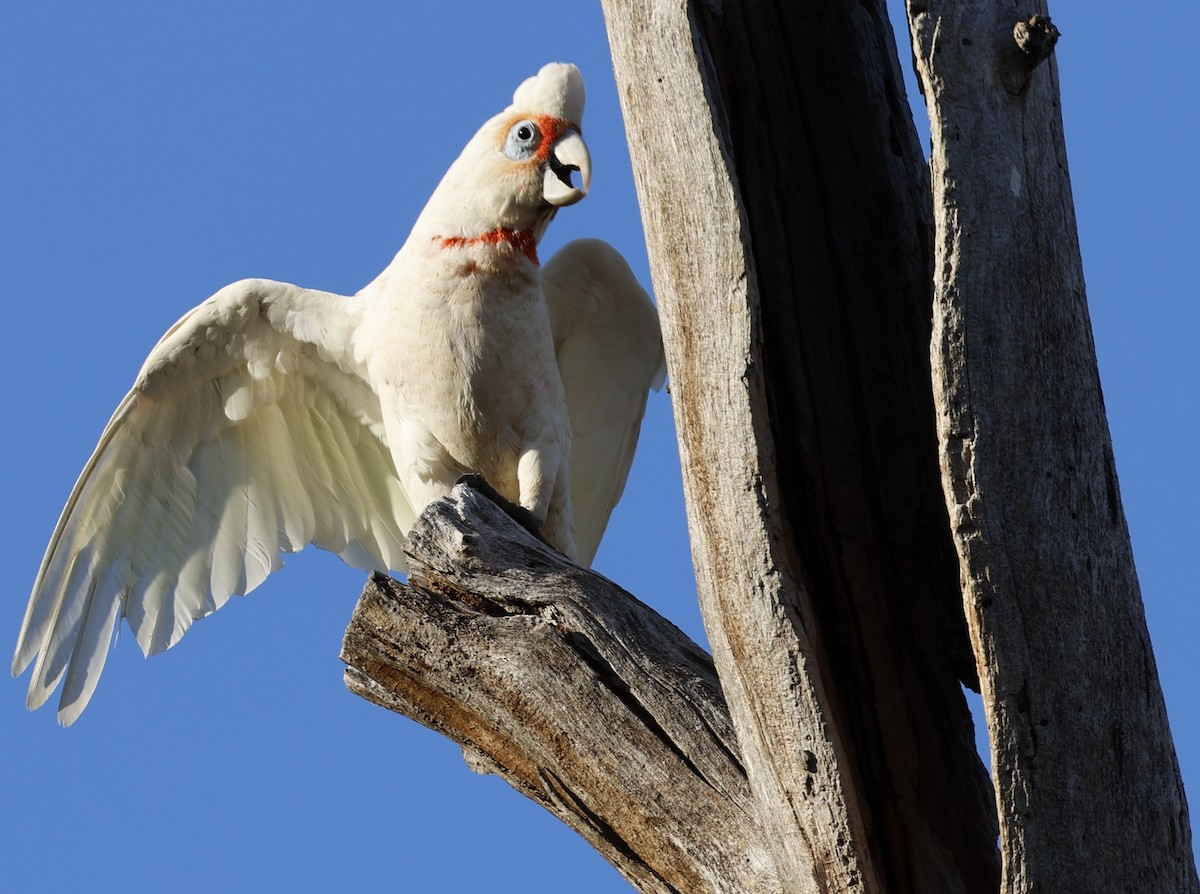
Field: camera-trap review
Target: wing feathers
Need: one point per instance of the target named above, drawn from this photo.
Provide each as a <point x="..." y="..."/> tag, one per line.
<point x="609" y="350"/>
<point x="250" y="431"/>
<point x="228" y="574"/>
<point x="58" y="564"/>
<point x="92" y="645"/>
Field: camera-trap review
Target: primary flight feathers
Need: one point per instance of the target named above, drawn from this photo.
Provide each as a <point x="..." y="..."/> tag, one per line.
<point x="272" y="416"/>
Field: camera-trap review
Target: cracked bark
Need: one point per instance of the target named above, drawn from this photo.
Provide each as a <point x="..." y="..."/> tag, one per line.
<point x="578" y="695"/>
<point x="785" y="202"/>
<point x="1050" y="589"/>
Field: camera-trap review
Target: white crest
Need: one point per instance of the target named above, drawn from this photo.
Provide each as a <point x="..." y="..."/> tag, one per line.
<point x="556" y="90"/>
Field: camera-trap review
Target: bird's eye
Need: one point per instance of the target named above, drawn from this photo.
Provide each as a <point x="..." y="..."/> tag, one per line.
<point x="522" y="142"/>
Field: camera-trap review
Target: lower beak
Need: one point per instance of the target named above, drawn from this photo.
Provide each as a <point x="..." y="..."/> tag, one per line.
<point x="568" y="156"/>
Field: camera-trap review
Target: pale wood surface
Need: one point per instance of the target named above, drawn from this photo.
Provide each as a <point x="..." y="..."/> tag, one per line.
<point x="704" y="280"/>
<point x="580" y="696"/>
<point x="1088" y="786"/>
<point x="786" y="210"/>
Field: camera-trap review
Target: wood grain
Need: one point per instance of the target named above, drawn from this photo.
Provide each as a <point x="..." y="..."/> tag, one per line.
<point x="786" y="210"/>
<point x="580" y="696"/>
<point x="1087" y="781"/>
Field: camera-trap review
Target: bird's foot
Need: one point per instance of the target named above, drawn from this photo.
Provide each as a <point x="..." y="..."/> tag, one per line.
<point x="515" y="511"/>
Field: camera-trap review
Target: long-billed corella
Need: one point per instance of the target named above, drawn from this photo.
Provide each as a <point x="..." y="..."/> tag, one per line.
<point x="272" y="416"/>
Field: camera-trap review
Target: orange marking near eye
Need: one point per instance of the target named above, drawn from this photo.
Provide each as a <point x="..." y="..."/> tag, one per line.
<point x="551" y="129"/>
<point x="520" y="240"/>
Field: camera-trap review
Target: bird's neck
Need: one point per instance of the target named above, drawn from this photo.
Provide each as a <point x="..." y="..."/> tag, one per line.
<point x="460" y="232"/>
<point x="447" y="254"/>
<point x="501" y="238"/>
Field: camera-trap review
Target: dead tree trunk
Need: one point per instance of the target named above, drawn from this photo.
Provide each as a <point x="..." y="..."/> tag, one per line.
<point x="1087" y="781"/>
<point x="786" y="210"/>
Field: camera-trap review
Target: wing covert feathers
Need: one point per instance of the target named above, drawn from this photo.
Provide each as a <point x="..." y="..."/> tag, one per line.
<point x="250" y="432"/>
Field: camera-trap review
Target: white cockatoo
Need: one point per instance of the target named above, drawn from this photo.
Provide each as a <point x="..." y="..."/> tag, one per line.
<point x="272" y="416"/>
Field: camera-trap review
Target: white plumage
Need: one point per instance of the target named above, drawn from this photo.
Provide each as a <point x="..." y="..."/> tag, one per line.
<point x="271" y="416"/>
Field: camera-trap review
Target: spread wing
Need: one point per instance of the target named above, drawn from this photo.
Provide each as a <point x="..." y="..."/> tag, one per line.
<point x="250" y="431"/>
<point x="609" y="350"/>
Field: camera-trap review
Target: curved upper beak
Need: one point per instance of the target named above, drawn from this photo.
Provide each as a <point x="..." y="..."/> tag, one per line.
<point x="568" y="156"/>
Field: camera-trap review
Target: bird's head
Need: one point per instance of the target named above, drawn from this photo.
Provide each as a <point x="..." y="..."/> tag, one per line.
<point x="539" y="136"/>
<point x="522" y="165"/>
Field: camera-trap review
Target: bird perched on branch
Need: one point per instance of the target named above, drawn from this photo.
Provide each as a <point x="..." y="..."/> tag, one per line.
<point x="272" y="416"/>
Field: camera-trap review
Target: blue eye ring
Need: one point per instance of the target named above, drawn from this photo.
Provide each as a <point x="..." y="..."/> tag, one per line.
<point x="523" y="140"/>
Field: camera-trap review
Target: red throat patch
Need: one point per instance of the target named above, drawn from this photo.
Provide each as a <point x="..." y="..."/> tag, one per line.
<point x="520" y="240"/>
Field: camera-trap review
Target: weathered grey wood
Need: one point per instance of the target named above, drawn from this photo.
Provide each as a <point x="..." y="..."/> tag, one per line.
<point x="785" y="203"/>
<point x="581" y="697"/>
<point x="697" y="238"/>
<point x="1087" y="781"/>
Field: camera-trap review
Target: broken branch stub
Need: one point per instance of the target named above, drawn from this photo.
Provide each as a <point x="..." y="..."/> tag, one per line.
<point x="580" y="696"/>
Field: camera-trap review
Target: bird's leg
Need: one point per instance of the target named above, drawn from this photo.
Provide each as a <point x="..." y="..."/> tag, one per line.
<point x="544" y="482"/>
<point x="559" y="527"/>
<point x="534" y="485"/>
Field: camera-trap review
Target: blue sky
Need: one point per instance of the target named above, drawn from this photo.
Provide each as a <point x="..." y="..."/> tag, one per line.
<point x="151" y="155"/>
